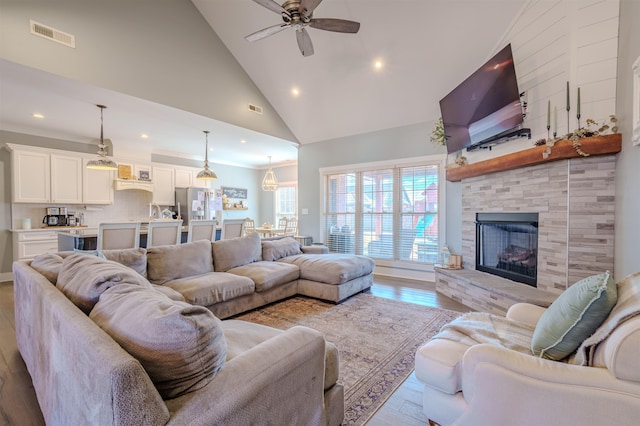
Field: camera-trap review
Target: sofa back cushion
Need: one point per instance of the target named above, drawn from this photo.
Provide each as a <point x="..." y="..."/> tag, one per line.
<point x="134" y="258"/>
<point x="167" y="263"/>
<point x="83" y="278"/>
<point x="235" y="252"/>
<point x="48" y="265"/>
<point x="181" y="346"/>
<point x="277" y="249"/>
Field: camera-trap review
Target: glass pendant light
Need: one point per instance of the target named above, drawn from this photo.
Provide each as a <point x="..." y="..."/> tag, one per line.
<point x="207" y="173"/>
<point x="102" y="163"/>
<point x="270" y="183"/>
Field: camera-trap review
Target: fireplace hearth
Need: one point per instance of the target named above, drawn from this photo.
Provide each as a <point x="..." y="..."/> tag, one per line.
<point x="507" y="245"/>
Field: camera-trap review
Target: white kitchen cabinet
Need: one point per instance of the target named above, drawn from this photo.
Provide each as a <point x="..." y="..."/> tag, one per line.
<point x="164" y="185"/>
<point x="66" y="179"/>
<point x="31" y="177"/>
<point x="184" y="178"/>
<point x="29" y="244"/>
<point x="97" y="185"/>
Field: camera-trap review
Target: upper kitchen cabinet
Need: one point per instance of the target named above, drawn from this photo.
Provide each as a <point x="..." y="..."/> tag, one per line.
<point x="184" y="178"/>
<point x="66" y="179"/>
<point x="31" y="177"/>
<point x="97" y="185"/>
<point x="164" y="185"/>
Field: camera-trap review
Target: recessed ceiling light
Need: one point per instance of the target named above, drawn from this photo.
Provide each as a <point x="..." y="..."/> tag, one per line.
<point x="144" y="136"/>
<point x="37" y="115"/>
<point x="378" y="64"/>
<point x="243" y="141"/>
<point x="295" y="91"/>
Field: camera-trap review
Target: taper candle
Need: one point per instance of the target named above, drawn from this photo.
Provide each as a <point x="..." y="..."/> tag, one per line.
<point x="568" y="102"/>
<point x="548" y="114"/>
<point x="555" y="120"/>
<point x="578" y="107"/>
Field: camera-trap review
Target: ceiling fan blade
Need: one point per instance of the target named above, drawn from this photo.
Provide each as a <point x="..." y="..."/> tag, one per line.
<point x="266" y="32"/>
<point x="308" y="6"/>
<point x="272" y="5"/>
<point x="304" y="42"/>
<point x="337" y="25"/>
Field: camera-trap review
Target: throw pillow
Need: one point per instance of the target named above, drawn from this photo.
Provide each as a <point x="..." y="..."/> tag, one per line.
<point x="277" y="249"/>
<point x="48" y="265"/>
<point x="181" y="346"/>
<point x="167" y="263"/>
<point x="84" y="278"/>
<point x="574" y="316"/>
<point x="235" y="252"/>
<point x="134" y="258"/>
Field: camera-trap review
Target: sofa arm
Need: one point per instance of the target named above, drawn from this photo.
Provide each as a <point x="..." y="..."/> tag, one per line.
<point x="315" y="249"/>
<point x="526" y="313"/>
<point x="506" y="387"/>
<point x="279" y="381"/>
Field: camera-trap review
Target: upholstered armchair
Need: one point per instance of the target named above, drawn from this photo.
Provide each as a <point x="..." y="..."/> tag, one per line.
<point x="487" y="384"/>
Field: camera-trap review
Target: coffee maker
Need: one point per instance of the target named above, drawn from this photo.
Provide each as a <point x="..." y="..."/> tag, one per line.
<point x="56" y="216"/>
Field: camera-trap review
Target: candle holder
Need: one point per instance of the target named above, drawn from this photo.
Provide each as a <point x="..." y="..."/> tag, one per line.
<point x="548" y="129"/>
<point x="578" y="116"/>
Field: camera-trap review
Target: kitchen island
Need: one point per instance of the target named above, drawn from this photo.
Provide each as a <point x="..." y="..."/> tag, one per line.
<point x="87" y="239"/>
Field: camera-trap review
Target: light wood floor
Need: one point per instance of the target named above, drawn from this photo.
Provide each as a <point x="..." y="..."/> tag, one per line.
<point x="19" y="406"/>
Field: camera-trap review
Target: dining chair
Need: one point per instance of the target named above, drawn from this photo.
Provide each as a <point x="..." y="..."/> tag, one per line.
<point x="232" y="228"/>
<point x="164" y="232"/>
<point x="118" y="235"/>
<point x="291" y="228"/>
<point x="249" y="226"/>
<point x="282" y="224"/>
<point x="202" y="230"/>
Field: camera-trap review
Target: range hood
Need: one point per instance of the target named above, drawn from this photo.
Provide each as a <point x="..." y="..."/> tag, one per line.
<point x="141" y="185"/>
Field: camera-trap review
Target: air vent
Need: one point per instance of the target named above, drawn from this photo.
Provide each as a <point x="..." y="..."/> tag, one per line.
<point x="255" y="108"/>
<point x="52" y="34"/>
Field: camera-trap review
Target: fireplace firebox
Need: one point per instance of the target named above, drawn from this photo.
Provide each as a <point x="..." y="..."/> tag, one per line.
<point x="507" y="245"/>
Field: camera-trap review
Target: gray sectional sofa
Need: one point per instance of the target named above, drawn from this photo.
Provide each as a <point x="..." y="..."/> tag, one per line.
<point x="136" y="337"/>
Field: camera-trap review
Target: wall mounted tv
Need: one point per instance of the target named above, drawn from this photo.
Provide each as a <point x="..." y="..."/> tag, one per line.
<point x="485" y="108"/>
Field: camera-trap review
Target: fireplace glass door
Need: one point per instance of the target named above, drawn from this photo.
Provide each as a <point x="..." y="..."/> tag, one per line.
<point x="507" y="245"/>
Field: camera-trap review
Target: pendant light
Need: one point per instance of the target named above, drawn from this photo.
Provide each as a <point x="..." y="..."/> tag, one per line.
<point x="207" y="173"/>
<point x="102" y="163"/>
<point x="270" y="183"/>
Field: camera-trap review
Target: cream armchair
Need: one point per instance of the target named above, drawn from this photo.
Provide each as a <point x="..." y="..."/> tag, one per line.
<point x="486" y="384"/>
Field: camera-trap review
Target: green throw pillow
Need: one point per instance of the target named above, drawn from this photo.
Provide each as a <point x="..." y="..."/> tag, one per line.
<point x="574" y="316"/>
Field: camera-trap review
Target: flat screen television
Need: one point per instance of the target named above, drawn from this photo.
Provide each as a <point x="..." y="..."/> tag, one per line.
<point x="484" y="106"/>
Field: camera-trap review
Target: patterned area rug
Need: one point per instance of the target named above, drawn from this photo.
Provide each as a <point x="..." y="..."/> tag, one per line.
<point x="377" y="339"/>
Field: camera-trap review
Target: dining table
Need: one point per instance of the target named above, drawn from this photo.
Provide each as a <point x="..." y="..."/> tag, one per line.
<point x="269" y="232"/>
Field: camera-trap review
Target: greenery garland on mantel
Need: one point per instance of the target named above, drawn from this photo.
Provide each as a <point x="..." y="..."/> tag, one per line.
<point x="581" y="133"/>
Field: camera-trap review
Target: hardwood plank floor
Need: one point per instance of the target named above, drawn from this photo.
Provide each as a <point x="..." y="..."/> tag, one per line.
<point x="19" y="406"/>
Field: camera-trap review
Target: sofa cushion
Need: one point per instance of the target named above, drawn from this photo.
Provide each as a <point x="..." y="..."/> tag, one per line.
<point x="84" y="278"/>
<point x="574" y="316"/>
<point x="439" y="364"/>
<point x="234" y="252"/>
<point x="277" y="249"/>
<point x="134" y="258"/>
<point x="214" y="287"/>
<point x="241" y="336"/>
<point x="266" y="275"/>
<point x="48" y="264"/>
<point x="166" y="263"/>
<point x="169" y="292"/>
<point x="331" y="268"/>
<point x="181" y="346"/>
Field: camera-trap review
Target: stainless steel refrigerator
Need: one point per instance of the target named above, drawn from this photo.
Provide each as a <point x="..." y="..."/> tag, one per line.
<point x="194" y="204"/>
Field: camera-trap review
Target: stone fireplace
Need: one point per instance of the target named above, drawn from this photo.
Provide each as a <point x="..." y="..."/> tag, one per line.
<point x="574" y="200"/>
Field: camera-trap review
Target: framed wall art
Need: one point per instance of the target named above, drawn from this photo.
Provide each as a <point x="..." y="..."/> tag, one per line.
<point x="239" y="193"/>
<point x="143" y="172"/>
<point x="125" y="171"/>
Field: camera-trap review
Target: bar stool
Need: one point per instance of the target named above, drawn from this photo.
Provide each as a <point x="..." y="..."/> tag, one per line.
<point x="164" y="232"/>
<point x="121" y="235"/>
<point x="201" y="230"/>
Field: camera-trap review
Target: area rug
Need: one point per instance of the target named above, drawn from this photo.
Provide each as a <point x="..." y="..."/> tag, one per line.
<point x="377" y="339"/>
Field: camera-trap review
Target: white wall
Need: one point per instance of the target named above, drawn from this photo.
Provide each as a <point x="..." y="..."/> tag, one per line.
<point x="627" y="250"/>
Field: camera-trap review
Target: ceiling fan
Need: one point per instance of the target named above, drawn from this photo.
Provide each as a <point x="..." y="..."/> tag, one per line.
<point x="297" y="14"/>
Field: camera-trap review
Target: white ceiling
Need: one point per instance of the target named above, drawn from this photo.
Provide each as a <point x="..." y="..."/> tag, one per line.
<point x="427" y="48"/>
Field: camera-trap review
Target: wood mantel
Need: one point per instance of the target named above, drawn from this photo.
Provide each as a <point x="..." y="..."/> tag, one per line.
<point x="597" y="145"/>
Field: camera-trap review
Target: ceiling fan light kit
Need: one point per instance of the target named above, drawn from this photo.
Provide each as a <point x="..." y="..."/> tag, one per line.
<point x="206" y="173"/>
<point x="298" y="14"/>
<point x="102" y="163"/>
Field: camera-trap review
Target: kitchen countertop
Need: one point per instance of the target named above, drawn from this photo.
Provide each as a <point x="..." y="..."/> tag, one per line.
<point x="54" y="228"/>
<point x="93" y="232"/>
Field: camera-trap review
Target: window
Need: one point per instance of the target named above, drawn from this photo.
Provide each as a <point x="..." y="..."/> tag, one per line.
<point x="388" y="212"/>
<point x="286" y="201"/>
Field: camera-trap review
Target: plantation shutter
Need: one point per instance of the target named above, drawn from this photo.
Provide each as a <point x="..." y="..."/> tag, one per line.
<point x="341" y="209"/>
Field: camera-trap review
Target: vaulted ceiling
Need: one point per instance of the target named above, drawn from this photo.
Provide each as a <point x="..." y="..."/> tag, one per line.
<point x="425" y="49"/>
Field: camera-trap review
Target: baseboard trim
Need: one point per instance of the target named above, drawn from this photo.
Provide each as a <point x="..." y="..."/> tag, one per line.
<point x="6" y="276"/>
